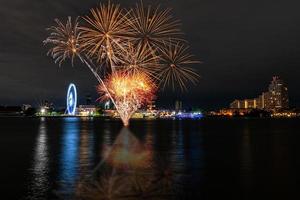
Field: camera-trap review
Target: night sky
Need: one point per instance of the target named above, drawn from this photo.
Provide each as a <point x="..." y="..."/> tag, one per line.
<point x="242" y="44"/>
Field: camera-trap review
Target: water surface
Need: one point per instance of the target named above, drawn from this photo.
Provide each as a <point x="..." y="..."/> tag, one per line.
<point x="45" y="158"/>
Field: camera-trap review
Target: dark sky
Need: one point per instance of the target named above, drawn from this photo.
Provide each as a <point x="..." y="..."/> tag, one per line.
<point x="242" y="45"/>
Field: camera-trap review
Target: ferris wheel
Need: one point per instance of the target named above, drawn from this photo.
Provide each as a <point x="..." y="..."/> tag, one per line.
<point x="71" y="99"/>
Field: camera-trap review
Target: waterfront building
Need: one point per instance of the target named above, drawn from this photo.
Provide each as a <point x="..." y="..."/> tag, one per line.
<point x="276" y="98"/>
<point x="261" y="101"/>
<point x="236" y="104"/>
<point x="244" y="104"/>
<point x="86" y="110"/>
<point x="278" y="95"/>
<point x="189" y="115"/>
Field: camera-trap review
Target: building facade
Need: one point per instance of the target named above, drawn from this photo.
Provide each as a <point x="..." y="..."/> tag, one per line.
<point x="86" y="110"/>
<point x="278" y="95"/>
<point x="276" y="98"/>
<point x="244" y="104"/>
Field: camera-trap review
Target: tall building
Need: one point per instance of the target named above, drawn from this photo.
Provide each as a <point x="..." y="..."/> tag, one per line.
<point x="261" y="100"/>
<point x="275" y="98"/>
<point x="178" y="106"/>
<point x="278" y="95"/>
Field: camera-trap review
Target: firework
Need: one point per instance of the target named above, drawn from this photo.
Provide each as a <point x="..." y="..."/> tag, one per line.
<point x="130" y="52"/>
<point x="65" y="43"/>
<point x="152" y="27"/>
<point x="64" y="40"/>
<point x="105" y="33"/>
<point x="175" y="67"/>
<point x="129" y="91"/>
<point x="139" y="59"/>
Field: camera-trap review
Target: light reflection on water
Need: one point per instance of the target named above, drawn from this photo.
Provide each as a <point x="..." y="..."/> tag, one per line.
<point x="86" y="148"/>
<point x="68" y="166"/>
<point x="177" y="148"/>
<point x="123" y="153"/>
<point x="40" y="177"/>
<point x="211" y="159"/>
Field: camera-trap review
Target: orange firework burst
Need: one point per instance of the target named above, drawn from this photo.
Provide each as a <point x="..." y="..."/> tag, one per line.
<point x="129" y="91"/>
<point x="134" y="51"/>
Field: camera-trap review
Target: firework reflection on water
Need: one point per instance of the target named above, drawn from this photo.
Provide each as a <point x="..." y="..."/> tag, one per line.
<point x="128" y="171"/>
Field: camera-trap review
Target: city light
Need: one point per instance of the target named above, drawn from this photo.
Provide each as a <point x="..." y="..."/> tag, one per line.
<point x="189" y="115"/>
<point x="43" y="111"/>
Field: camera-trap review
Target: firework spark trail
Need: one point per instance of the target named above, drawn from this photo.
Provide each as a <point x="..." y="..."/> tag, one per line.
<point x="65" y="41"/>
<point x="175" y="66"/>
<point x="139" y="59"/>
<point x="105" y="33"/>
<point x="140" y="45"/>
<point x="130" y="92"/>
<point x="99" y="79"/>
<point x="153" y="27"/>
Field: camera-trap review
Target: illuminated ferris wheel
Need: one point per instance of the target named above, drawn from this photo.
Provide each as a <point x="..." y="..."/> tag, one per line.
<point x="71" y="99"/>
